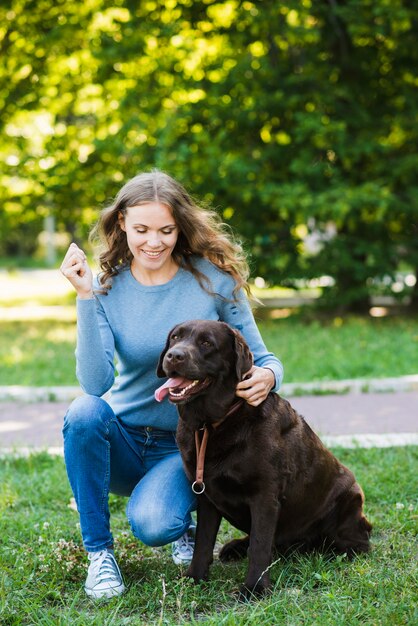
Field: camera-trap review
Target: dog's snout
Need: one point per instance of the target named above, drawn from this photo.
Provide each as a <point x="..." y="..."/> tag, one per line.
<point x="175" y="355"/>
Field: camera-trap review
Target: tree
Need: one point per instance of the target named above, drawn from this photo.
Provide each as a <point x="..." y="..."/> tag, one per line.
<point x="296" y="120"/>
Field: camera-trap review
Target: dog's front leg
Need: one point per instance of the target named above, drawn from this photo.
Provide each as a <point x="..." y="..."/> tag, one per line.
<point x="264" y="517"/>
<point x="208" y="520"/>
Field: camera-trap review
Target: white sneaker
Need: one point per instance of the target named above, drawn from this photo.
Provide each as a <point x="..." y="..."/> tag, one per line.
<point x="182" y="549"/>
<point x="104" y="579"/>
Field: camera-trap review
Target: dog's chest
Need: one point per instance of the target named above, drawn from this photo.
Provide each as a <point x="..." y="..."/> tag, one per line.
<point x="226" y="472"/>
<point x="231" y="491"/>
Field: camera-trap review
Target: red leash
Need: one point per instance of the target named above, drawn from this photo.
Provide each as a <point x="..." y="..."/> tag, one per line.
<point x="200" y="461"/>
<point x="198" y="486"/>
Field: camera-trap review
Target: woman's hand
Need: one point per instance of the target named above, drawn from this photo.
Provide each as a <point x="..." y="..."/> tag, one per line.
<point x="76" y="269"/>
<point x="256" y="385"/>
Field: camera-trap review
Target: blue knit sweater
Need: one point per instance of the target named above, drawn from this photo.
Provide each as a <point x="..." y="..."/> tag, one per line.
<point x="120" y="337"/>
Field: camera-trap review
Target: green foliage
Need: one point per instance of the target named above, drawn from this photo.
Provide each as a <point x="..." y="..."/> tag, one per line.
<point x="297" y="119"/>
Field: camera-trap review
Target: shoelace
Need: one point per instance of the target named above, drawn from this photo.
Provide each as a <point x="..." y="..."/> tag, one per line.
<point x="184" y="543"/>
<point x="104" y="567"/>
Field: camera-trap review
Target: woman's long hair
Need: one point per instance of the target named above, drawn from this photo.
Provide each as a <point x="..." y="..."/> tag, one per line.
<point x="201" y="231"/>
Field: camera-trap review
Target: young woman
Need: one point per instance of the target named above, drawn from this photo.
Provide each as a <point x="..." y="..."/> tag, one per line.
<point x="163" y="260"/>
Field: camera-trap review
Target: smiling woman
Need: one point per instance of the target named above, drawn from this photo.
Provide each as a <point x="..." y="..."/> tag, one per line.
<point x="164" y="260"/>
<point x="151" y="235"/>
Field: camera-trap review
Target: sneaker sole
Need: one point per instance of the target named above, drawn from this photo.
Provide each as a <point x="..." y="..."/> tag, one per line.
<point x="181" y="562"/>
<point x="105" y="594"/>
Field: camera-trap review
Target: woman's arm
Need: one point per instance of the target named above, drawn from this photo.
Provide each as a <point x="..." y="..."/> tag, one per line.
<point x="267" y="373"/>
<point x="95" y="348"/>
<point x="95" y="344"/>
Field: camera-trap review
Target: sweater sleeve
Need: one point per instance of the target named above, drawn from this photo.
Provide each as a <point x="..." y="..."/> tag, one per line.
<point x="95" y="368"/>
<point x="238" y="315"/>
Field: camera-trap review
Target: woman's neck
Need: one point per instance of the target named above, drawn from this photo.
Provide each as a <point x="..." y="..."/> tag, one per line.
<point x="154" y="277"/>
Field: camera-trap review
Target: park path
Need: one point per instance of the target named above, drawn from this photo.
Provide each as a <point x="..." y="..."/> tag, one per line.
<point x="365" y="419"/>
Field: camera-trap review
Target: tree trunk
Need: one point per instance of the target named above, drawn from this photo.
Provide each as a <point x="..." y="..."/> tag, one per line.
<point x="414" y="294"/>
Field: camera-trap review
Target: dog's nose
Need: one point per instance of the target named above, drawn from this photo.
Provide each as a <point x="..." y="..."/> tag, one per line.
<point x="175" y="356"/>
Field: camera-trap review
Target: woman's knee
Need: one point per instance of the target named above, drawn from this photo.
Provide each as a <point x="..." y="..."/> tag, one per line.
<point x="159" y="507"/>
<point x="87" y="413"/>
<point x="154" y="525"/>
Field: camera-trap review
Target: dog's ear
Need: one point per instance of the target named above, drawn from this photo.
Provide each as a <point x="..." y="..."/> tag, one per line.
<point x="244" y="358"/>
<point x="160" y="371"/>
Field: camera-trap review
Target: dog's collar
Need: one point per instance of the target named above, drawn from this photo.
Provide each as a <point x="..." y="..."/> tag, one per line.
<point x="230" y="412"/>
<point x="198" y="486"/>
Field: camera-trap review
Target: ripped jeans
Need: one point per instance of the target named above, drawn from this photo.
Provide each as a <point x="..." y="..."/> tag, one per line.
<point x="102" y="456"/>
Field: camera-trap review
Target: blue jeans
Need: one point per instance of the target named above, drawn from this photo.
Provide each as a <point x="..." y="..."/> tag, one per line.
<point x="102" y="456"/>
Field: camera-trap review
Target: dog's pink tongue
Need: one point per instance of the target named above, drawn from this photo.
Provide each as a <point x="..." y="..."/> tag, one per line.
<point x="162" y="391"/>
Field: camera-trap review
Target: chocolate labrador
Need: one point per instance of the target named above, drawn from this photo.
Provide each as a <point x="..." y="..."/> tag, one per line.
<point x="261" y="468"/>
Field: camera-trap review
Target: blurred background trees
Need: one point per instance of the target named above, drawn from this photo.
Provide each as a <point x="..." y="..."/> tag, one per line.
<point x="296" y="120"/>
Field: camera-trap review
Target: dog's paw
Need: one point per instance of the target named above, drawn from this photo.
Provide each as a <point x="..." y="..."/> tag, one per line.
<point x="234" y="550"/>
<point x="251" y="594"/>
<point x="196" y="576"/>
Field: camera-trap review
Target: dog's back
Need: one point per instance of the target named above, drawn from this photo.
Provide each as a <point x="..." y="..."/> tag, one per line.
<point x="320" y="501"/>
<point x="271" y="453"/>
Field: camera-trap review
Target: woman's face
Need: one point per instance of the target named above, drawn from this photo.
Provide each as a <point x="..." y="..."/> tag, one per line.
<point x="151" y="234"/>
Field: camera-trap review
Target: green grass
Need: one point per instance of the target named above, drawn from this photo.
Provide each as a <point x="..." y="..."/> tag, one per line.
<point x="41" y="352"/>
<point x="34" y="287"/>
<point x="42" y="563"/>
<point x="340" y="348"/>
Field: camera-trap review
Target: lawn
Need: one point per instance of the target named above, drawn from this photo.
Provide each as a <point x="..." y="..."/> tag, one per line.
<point x="38" y="334"/>
<point x="42" y="563"/>
<point x="41" y="352"/>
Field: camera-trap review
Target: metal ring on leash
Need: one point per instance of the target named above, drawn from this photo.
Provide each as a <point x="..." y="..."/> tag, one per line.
<point x="202" y="487"/>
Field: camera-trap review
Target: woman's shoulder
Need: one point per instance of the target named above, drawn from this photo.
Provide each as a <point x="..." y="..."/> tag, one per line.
<point x="117" y="281"/>
<point x="202" y="264"/>
<point x="219" y="278"/>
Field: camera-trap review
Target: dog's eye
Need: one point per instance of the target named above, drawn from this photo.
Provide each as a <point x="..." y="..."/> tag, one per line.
<point x="174" y="337"/>
<point x="206" y="344"/>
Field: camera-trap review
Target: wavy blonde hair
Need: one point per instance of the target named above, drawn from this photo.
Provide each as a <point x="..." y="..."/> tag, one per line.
<point x="201" y="232"/>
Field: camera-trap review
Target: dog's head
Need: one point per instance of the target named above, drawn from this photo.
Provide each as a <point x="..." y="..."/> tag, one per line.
<point x="201" y="354"/>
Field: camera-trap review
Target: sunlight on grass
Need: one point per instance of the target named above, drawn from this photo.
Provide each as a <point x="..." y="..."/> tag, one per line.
<point x="32" y="312"/>
<point x="37" y="341"/>
<point x="14" y="356"/>
<point x="33" y="287"/>
<point x="339" y="349"/>
<point x="39" y="353"/>
<point x="60" y="334"/>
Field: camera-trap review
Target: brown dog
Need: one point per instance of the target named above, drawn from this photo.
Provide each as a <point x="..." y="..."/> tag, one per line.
<point x="265" y="470"/>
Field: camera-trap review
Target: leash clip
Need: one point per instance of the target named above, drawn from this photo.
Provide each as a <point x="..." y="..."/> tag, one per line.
<point x="202" y="487"/>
